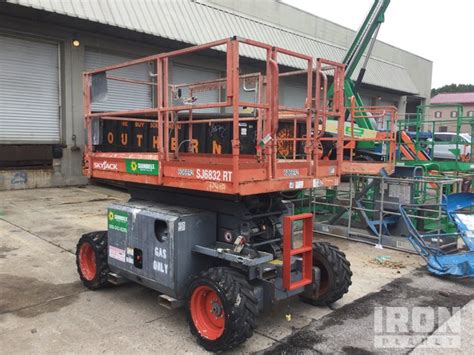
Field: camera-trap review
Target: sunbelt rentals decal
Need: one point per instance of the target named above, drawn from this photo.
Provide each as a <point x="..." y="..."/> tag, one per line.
<point x="141" y="166"/>
<point x="117" y="220"/>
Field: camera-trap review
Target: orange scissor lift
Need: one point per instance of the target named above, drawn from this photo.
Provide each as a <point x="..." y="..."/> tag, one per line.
<point x="252" y="235"/>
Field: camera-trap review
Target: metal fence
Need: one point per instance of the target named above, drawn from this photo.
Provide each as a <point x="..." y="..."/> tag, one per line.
<point x="367" y="208"/>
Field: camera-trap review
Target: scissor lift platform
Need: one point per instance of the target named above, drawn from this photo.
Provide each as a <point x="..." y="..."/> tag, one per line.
<point x="271" y="162"/>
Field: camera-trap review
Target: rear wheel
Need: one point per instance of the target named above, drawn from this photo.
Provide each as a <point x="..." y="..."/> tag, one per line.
<point x="335" y="274"/>
<point x="91" y="259"/>
<point x="222" y="309"/>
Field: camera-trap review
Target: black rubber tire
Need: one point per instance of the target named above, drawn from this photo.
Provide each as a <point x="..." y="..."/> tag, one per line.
<point x="239" y="303"/>
<point x="335" y="274"/>
<point x="98" y="242"/>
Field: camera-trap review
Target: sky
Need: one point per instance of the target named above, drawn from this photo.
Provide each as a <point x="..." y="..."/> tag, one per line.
<point x="438" y="30"/>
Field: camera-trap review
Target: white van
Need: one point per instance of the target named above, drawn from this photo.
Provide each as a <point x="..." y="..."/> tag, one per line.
<point x="445" y="144"/>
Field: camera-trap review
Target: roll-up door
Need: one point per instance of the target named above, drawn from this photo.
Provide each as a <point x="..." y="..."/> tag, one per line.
<point x="185" y="75"/>
<point x="121" y="96"/>
<point x="292" y="94"/>
<point x="29" y="91"/>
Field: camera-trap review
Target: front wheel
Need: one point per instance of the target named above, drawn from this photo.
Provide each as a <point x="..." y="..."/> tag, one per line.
<point x="221" y="309"/>
<point x="91" y="259"/>
<point x="335" y="274"/>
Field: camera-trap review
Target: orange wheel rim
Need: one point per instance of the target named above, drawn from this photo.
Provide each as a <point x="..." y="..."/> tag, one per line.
<point x="207" y="312"/>
<point x="87" y="261"/>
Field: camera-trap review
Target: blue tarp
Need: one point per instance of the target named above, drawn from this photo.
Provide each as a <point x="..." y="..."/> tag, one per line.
<point x="454" y="204"/>
<point x="452" y="264"/>
<point x="439" y="263"/>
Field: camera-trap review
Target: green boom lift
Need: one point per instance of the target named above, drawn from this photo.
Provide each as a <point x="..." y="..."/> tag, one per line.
<point x="363" y="43"/>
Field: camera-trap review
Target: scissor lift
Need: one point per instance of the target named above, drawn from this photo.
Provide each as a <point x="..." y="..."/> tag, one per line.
<point x="208" y="228"/>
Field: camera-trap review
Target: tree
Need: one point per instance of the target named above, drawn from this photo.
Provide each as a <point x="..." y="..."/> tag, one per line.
<point x="453" y="88"/>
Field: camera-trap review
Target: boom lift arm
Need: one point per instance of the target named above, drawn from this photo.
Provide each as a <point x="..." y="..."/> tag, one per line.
<point x="364" y="40"/>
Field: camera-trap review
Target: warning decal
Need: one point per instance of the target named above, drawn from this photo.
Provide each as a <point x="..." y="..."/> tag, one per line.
<point x="117" y="253"/>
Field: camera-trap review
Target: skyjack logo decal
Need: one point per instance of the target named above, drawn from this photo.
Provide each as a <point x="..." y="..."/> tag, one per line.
<point x="105" y="165"/>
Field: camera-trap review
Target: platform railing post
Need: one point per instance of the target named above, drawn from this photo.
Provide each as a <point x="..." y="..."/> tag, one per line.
<point x="87" y="123"/>
<point x="190" y="127"/>
<point x="260" y="114"/>
<point x="317" y="104"/>
<point x="166" y="109"/>
<point x="267" y="148"/>
<point x="339" y="109"/>
<point x="159" y="110"/>
<point x="274" y="111"/>
<point x="308" y="106"/>
<point x="235" y="108"/>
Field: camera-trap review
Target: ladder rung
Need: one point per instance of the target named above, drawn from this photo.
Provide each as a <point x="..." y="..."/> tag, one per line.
<point x="300" y="283"/>
<point x="301" y="250"/>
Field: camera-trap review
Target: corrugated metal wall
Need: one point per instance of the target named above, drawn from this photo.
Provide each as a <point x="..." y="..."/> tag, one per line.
<point x="29" y="91"/>
<point x="196" y="23"/>
<point x="120" y="95"/>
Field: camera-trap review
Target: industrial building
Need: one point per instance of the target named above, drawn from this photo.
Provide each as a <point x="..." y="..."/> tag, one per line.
<point x="46" y="45"/>
<point x="446" y="110"/>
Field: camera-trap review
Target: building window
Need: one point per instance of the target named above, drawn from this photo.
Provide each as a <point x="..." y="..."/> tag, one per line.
<point x="438" y="114"/>
<point x="470" y="113"/>
<point x="454" y="114"/>
<point x="443" y="128"/>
